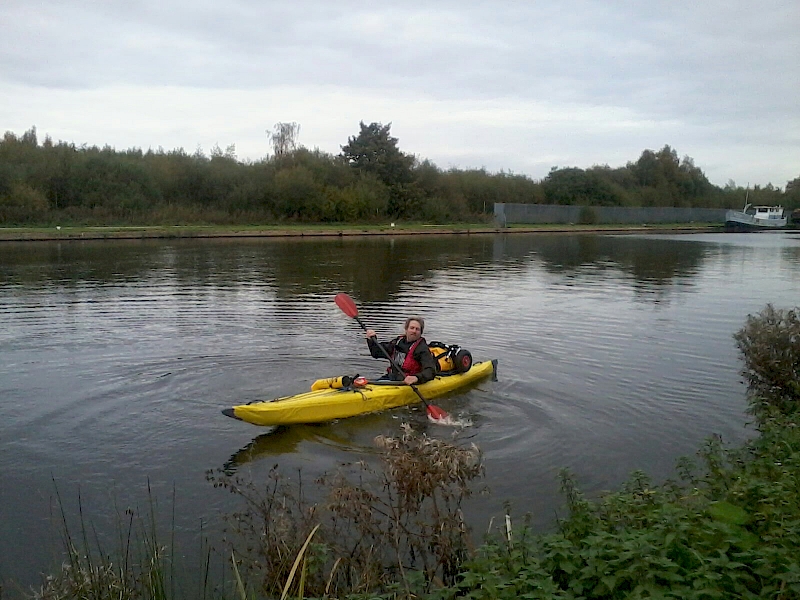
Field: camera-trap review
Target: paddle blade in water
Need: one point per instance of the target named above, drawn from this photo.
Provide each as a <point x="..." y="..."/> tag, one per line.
<point x="347" y="305"/>
<point x="435" y="413"/>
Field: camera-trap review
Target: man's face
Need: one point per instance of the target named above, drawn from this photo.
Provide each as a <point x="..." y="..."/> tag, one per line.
<point x="413" y="331"/>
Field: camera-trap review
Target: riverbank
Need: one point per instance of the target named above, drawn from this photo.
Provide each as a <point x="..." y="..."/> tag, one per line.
<point x="338" y="230"/>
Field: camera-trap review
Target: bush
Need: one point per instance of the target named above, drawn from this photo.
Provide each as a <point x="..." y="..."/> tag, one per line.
<point x="770" y="345"/>
<point x="730" y="532"/>
<point x="23" y="204"/>
<point x="729" y="529"/>
<point x="587" y="216"/>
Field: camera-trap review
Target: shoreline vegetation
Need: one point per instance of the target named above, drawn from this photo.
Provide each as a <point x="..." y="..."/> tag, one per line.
<point x="322" y="230"/>
<point x="727" y="525"/>
<point x="371" y="181"/>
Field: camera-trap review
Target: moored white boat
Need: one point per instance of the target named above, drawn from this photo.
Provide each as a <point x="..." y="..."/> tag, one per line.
<point x="755" y="218"/>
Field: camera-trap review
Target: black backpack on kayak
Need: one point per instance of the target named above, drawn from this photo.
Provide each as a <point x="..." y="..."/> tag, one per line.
<point x="450" y="358"/>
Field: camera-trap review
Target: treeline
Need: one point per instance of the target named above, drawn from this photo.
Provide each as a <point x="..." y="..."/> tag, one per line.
<point x="370" y="180"/>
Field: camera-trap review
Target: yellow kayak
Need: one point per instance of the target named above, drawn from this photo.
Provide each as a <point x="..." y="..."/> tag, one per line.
<point x="326" y="403"/>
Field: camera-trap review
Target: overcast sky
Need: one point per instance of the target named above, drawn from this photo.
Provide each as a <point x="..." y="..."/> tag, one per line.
<point x="515" y="86"/>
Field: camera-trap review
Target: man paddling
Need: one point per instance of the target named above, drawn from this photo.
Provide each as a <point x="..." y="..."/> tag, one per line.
<point x="409" y="353"/>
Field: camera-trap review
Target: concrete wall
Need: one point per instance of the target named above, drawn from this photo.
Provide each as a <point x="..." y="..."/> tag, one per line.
<point x="506" y="214"/>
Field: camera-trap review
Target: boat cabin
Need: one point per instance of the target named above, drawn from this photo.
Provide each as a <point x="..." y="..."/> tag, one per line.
<point x="764" y="212"/>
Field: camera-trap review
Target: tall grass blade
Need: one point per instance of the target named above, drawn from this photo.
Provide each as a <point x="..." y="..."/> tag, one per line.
<point x="330" y="577"/>
<point x="239" y="584"/>
<point x="297" y="562"/>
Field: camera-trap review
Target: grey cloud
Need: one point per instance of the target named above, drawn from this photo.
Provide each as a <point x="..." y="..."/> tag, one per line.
<point x="729" y="70"/>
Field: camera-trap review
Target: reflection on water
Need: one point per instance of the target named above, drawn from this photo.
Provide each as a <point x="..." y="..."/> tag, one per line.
<point x="373" y="268"/>
<point x="615" y="353"/>
<point x="284" y="440"/>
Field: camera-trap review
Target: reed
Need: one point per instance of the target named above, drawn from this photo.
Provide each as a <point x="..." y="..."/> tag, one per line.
<point x="392" y="529"/>
<point x="140" y="568"/>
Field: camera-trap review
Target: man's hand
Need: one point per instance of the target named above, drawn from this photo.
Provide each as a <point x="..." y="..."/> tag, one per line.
<point x="370" y="333"/>
<point x="410" y="379"/>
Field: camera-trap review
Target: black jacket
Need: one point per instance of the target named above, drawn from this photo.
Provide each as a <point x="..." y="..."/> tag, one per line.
<point x="422" y="355"/>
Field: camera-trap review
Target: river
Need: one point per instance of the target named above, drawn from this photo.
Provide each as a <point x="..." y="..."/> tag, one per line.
<point x="615" y="353"/>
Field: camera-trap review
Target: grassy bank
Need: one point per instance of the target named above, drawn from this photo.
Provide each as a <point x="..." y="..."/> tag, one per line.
<point x="321" y="230"/>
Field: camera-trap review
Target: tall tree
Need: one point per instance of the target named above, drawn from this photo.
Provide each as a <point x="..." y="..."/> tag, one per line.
<point x="792" y="193"/>
<point x="375" y="151"/>
<point x="284" y="138"/>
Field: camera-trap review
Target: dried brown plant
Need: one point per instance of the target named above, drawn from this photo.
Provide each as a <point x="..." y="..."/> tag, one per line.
<point x="394" y="522"/>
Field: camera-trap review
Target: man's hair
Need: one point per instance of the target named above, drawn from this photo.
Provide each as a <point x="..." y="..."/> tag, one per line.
<point x="419" y="320"/>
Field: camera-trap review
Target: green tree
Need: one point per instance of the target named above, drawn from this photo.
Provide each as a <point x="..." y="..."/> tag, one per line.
<point x="375" y="151"/>
<point x="6" y="178"/>
<point x="112" y="184"/>
<point x="768" y="195"/>
<point x="369" y="198"/>
<point x="792" y="193"/>
<point x="326" y="169"/>
<point x="299" y="196"/>
<point x="22" y="155"/>
<point x="661" y="179"/>
<point x="22" y="204"/>
<point x="370" y="179"/>
<point x="576" y="186"/>
<point x="365" y="199"/>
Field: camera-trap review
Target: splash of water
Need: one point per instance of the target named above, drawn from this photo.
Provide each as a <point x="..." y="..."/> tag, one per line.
<point x="451" y="421"/>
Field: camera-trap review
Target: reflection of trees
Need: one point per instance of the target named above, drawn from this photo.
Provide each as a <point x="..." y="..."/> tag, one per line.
<point x="791" y="254"/>
<point x="645" y="259"/>
<point x="71" y="263"/>
<point x="373" y="268"/>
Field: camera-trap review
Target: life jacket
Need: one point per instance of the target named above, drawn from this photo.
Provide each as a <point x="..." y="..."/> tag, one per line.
<point x="410" y="365"/>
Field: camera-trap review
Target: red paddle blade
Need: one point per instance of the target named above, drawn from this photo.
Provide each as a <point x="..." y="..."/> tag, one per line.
<point x="347" y="305"/>
<point x="436" y="413"/>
